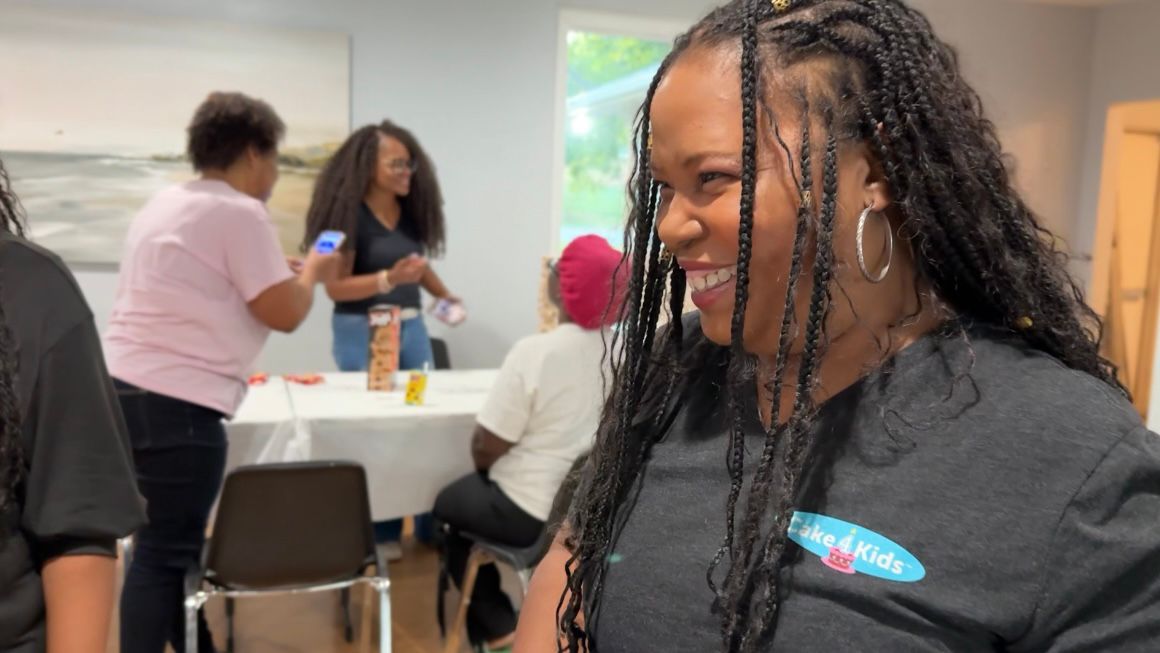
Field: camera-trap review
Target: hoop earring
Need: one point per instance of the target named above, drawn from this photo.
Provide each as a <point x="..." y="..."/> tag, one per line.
<point x="860" y="239"/>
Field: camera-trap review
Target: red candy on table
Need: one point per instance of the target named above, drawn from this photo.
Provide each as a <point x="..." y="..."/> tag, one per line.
<point x="304" y="379"/>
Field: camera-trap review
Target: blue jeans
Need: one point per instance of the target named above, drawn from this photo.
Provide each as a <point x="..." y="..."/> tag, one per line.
<point x="351" y="349"/>
<point x="352" y="336"/>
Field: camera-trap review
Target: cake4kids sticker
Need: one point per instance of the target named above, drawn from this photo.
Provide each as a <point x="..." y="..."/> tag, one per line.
<point x="851" y="549"/>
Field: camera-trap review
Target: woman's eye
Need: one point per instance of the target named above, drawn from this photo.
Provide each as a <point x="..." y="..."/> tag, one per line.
<point x="709" y="177"/>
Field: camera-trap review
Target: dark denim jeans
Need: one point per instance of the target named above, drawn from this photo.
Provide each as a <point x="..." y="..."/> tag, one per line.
<point x="179" y="450"/>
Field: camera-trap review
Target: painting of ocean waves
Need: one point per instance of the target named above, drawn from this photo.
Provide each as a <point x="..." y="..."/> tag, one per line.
<point x="86" y="146"/>
<point x="80" y="206"/>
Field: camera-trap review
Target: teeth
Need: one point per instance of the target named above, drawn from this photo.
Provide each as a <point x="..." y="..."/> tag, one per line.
<point x="710" y="280"/>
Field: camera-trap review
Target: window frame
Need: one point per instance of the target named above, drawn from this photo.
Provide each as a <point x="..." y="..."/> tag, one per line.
<point x="612" y="23"/>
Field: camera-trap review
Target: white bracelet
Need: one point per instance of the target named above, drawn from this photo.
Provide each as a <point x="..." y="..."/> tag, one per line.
<point x="385" y="282"/>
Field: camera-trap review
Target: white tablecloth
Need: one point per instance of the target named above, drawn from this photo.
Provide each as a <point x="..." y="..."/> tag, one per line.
<point x="409" y="452"/>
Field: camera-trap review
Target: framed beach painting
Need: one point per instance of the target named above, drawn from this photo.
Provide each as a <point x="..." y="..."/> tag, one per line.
<point x="94" y="107"/>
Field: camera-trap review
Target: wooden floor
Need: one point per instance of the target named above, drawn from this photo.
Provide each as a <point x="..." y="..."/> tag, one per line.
<point x="313" y="624"/>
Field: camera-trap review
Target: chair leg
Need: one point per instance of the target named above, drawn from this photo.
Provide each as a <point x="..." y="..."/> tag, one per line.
<point x="126" y="557"/>
<point x="365" y="625"/>
<point x="525" y="576"/>
<point x="386" y="629"/>
<point x="230" y="606"/>
<point x="474" y="562"/>
<point x="193" y="605"/>
<point x="347" y="625"/>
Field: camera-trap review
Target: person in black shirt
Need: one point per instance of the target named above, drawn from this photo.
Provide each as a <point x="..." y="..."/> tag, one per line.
<point x="380" y="190"/>
<point x="67" y="491"/>
<point x="890" y="427"/>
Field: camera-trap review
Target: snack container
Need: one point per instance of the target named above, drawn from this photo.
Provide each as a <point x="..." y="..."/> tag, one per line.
<point x="384" y="347"/>
<point x="416" y="388"/>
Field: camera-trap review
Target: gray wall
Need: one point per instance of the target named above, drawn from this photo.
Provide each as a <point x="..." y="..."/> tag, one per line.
<point x="1125" y="67"/>
<point x="476" y="81"/>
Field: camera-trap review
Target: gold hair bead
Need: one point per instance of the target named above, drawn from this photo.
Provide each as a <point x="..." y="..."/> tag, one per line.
<point x="650" y="141"/>
<point x="781" y="5"/>
<point x="666" y="259"/>
<point x="1024" y="323"/>
<point x="807" y="198"/>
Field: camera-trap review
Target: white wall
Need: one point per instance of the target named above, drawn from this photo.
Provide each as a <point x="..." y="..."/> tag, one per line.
<point x="1029" y="62"/>
<point x="475" y="80"/>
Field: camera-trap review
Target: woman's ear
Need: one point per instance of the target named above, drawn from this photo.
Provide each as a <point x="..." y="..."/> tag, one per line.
<point x="877" y="194"/>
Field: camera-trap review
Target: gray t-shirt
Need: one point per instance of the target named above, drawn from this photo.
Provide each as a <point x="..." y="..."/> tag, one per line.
<point x="1021" y="513"/>
<point x="79" y="494"/>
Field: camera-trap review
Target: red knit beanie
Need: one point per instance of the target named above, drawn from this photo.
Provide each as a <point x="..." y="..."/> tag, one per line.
<point x="586" y="270"/>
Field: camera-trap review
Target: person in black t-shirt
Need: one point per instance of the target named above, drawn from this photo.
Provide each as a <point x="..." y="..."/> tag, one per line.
<point x="890" y="426"/>
<point x="67" y="491"/>
<point x="380" y="190"/>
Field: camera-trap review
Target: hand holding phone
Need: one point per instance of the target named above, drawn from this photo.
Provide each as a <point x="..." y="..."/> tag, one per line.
<point x="329" y="242"/>
<point x="322" y="259"/>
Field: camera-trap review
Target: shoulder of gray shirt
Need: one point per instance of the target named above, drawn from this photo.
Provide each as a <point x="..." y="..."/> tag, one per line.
<point x="1016" y="408"/>
<point x="43" y="286"/>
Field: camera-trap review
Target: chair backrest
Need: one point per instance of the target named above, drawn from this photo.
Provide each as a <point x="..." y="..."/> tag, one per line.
<point x="441" y="354"/>
<point x="291" y="524"/>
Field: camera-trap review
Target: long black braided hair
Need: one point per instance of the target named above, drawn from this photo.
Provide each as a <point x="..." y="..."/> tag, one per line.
<point x="891" y="83"/>
<point x="11" y="447"/>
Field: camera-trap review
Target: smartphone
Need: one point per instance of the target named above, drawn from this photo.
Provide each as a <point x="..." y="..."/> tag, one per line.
<point x="450" y="312"/>
<point x="329" y="241"/>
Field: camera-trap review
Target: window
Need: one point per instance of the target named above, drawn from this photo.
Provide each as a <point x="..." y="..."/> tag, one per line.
<point x="607" y="63"/>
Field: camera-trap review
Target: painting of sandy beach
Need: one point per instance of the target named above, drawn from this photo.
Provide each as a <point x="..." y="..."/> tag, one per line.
<point x="94" y="106"/>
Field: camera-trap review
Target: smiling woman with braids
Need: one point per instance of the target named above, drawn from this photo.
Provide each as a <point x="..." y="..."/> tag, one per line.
<point x="890" y="427"/>
<point x="66" y="480"/>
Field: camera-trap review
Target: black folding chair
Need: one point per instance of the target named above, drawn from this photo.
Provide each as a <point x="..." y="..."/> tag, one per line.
<point x="521" y="559"/>
<point x="441" y="354"/>
<point x="291" y="529"/>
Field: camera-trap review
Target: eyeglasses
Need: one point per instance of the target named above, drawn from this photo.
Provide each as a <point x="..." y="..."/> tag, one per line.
<point x="403" y="165"/>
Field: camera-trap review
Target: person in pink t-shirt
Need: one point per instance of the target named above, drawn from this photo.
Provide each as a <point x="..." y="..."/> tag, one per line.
<point x="203" y="282"/>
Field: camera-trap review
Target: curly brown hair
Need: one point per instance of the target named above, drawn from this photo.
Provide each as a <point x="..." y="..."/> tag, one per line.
<point x="344" y="180"/>
<point x="226" y="124"/>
